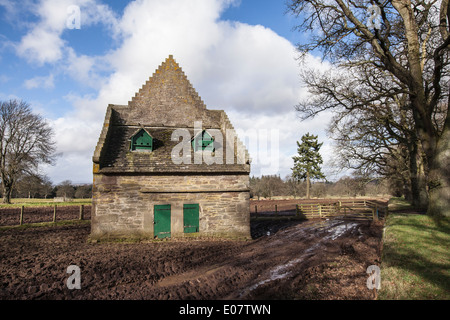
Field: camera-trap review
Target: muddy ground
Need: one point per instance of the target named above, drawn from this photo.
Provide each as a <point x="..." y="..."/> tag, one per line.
<point x="11" y="216"/>
<point x="287" y="259"/>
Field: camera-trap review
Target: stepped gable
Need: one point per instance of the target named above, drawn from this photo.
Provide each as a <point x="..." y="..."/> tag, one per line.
<point x="168" y="99"/>
<point x="158" y="185"/>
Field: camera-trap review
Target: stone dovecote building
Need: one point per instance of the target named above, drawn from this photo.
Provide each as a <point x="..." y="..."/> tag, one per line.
<point x="166" y="166"/>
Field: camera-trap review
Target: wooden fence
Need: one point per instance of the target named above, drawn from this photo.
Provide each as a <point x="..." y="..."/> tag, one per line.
<point x="316" y="210"/>
<point x="347" y="209"/>
<point x="24" y="215"/>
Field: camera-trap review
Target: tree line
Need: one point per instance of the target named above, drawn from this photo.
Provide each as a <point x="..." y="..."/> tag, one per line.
<point x="269" y="186"/>
<point x="38" y="187"/>
<point x="26" y="142"/>
<point x="388" y="89"/>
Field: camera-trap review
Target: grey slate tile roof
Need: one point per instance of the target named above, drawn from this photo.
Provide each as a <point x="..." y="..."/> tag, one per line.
<point x="165" y="103"/>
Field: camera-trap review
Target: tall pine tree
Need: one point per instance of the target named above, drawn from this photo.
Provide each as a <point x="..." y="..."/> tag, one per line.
<point x="307" y="162"/>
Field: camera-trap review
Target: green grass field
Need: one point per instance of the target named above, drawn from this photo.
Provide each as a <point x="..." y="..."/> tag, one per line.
<point x="416" y="257"/>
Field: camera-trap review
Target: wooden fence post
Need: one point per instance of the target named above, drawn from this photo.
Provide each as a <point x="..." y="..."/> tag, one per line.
<point x="21" y="215"/>
<point x="276" y="209"/>
<point x="54" y="213"/>
<point x="81" y="212"/>
<point x="256" y="210"/>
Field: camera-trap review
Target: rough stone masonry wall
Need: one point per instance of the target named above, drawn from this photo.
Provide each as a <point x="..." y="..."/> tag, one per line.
<point x="123" y="205"/>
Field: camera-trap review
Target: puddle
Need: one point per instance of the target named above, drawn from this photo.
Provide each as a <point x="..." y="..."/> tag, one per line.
<point x="333" y="229"/>
<point x="339" y="230"/>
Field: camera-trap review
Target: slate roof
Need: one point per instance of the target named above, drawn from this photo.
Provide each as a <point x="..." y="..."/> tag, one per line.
<point x="165" y="103"/>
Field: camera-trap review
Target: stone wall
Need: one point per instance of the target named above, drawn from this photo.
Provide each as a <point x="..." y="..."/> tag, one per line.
<point x="123" y="205"/>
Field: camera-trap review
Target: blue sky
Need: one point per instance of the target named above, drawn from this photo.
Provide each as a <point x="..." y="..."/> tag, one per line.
<point x="269" y="13"/>
<point x="239" y="56"/>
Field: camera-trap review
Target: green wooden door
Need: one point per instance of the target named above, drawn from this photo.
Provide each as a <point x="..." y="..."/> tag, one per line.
<point x="191" y="217"/>
<point x="162" y="221"/>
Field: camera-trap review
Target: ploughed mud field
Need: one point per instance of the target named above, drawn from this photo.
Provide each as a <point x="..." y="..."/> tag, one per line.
<point x="11" y="216"/>
<point x="286" y="259"/>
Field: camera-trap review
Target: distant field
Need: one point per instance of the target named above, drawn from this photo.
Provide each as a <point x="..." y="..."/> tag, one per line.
<point x="18" y="202"/>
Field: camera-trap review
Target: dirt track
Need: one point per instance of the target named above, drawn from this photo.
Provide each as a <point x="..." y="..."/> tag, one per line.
<point x="286" y="260"/>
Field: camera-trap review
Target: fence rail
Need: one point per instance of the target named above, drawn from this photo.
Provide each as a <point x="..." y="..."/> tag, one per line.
<point x="347" y="209"/>
<point x="25" y="215"/>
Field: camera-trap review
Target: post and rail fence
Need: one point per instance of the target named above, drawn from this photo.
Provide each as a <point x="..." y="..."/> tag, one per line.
<point x="55" y="213"/>
<point x="346" y="209"/>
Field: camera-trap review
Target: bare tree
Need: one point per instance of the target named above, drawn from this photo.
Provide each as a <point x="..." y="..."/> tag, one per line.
<point x="294" y="187"/>
<point x="411" y="48"/>
<point x="25" y="142"/>
<point x="28" y="186"/>
<point x="65" y="189"/>
<point x="83" y="191"/>
<point x="267" y="186"/>
<point x="46" y="187"/>
<point x="375" y="139"/>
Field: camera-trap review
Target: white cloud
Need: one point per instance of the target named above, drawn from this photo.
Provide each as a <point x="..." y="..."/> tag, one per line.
<point x="40" y="46"/>
<point x="70" y="166"/>
<point x="12" y="11"/>
<point x="93" y="12"/>
<point x="252" y="69"/>
<point x="43" y="43"/>
<point x="275" y="157"/>
<point x="40" y="82"/>
<point x="73" y="136"/>
<point x="85" y="69"/>
<point x="248" y="71"/>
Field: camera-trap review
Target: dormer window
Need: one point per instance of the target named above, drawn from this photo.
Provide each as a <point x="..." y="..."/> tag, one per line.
<point x="142" y="140"/>
<point x="203" y="141"/>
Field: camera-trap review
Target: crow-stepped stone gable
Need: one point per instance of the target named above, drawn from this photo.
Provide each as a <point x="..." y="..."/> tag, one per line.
<point x="148" y="179"/>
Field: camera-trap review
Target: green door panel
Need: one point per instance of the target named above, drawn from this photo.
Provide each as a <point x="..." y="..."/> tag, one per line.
<point x="162" y="218"/>
<point x="142" y="141"/>
<point x="191" y="218"/>
<point x="203" y="141"/>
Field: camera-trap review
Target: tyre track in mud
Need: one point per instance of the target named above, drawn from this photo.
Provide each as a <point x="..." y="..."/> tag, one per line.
<point x="259" y="267"/>
<point x="275" y="265"/>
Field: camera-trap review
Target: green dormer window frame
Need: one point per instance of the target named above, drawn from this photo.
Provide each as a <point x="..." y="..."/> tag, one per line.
<point x="203" y="141"/>
<point x="141" y="140"/>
